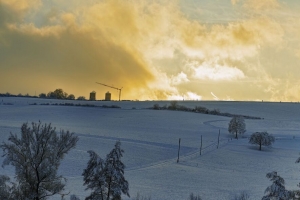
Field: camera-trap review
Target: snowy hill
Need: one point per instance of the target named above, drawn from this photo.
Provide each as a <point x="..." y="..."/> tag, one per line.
<point x="150" y="140"/>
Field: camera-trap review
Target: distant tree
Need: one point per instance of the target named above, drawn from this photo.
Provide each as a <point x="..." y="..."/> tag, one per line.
<point x="156" y="106"/>
<point x="60" y="94"/>
<point x="173" y="106"/>
<point x="57" y="94"/>
<point x="106" y="177"/>
<point x="214" y="112"/>
<point x="237" y="126"/>
<point x="42" y="95"/>
<point x="51" y="95"/>
<point x="82" y="98"/>
<point x="201" y="109"/>
<point x="277" y="190"/>
<point x="262" y="139"/>
<point x="71" y="97"/>
<point x="36" y="157"/>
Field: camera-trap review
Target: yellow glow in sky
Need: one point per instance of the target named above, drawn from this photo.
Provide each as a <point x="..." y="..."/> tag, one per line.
<point x="210" y="49"/>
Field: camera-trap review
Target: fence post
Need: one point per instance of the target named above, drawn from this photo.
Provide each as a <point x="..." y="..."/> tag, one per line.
<point x="178" y="150"/>
<point x="218" y="139"/>
<point x="201" y="146"/>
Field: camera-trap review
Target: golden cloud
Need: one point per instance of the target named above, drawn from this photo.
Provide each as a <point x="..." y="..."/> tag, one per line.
<point x="262" y="5"/>
<point x="147" y="47"/>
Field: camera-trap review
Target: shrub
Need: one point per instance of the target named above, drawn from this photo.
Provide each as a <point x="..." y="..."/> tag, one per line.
<point x="139" y="197"/>
<point x="214" y="112"/>
<point x="242" y="196"/>
<point x="173" y="105"/>
<point x="201" y="109"/>
<point x="194" y="197"/>
<point x="81" y="98"/>
<point x="156" y="107"/>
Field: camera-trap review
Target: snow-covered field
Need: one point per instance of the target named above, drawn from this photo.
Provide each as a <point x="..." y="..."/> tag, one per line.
<point x="150" y="140"/>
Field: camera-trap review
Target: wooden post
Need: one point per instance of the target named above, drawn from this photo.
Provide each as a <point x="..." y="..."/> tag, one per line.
<point x="178" y="151"/>
<point x="218" y="139"/>
<point x="201" y="146"/>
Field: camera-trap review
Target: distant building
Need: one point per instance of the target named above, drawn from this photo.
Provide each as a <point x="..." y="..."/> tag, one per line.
<point x="107" y="96"/>
<point x="93" y="96"/>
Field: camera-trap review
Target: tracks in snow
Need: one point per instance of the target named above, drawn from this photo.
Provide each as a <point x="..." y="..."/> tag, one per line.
<point x="192" y="154"/>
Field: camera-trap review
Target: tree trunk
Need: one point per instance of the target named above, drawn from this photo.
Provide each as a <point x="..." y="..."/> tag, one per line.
<point x="260" y="146"/>
<point x="236" y="136"/>
<point x="108" y="191"/>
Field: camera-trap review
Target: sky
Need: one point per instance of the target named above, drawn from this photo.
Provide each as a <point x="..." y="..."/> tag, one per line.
<point x="242" y="50"/>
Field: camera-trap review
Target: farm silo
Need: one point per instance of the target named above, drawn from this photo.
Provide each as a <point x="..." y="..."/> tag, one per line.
<point x="107" y="96"/>
<point x="93" y="96"/>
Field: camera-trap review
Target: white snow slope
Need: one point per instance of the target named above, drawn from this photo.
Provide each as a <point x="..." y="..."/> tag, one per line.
<point x="150" y="140"/>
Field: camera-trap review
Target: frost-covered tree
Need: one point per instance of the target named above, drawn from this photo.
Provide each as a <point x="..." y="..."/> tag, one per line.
<point x="36" y="156"/>
<point x="297" y="192"/>
<point x="94" y="177"/>
<point x="277" y="190"/>
<point x="106" y="177"/>
<point x="237" y="126"/>
<point x="5" y="189"/>
<point x="262" y="139"/>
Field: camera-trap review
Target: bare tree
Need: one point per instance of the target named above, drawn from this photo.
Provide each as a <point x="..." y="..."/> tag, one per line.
<point x="36" y="157"/>
<point x="262" y="139"/>
<point x="237" y="126"/>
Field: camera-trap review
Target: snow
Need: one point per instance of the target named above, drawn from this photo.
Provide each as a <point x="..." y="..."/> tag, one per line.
<point x="150" y="140"/>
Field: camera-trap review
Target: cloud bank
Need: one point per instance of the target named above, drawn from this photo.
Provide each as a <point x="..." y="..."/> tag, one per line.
<point x="153" y="49"/>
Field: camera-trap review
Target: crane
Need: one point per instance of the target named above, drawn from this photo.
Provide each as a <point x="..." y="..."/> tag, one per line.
<point x="120" y="89"/>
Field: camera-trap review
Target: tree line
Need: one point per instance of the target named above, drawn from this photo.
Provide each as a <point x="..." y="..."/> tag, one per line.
<point x="60" y="94"/>
<point x="56" y="94"/>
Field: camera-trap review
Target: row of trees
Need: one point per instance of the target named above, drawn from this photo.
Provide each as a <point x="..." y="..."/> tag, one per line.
<point x="36" y="156"/>
<point x="237" y="126"/>
<point x="60" y="94"/>
<point x="56" y="94"/>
